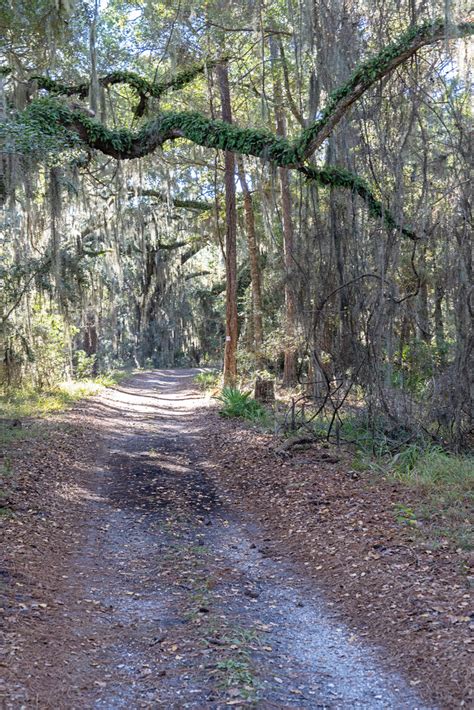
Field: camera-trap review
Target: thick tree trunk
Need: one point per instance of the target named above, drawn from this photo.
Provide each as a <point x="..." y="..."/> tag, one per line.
<point x="230" y="351"/>
<point x="289" y="372"/>
<point x="257" y="308"/>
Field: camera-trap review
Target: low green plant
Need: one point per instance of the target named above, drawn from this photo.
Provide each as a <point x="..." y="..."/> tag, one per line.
<point x="207" y="380"/>
<point x="240" y="404"/>
<point x="237" y="672"/>
<point x="444" y="483"/>
<point x="84" y="365"/>
<point x="404" y="515"/>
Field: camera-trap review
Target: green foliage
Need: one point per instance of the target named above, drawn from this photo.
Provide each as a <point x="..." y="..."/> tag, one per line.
<point x="223" y="136"/>
<point x="240" y="404"/>
<point x="10" y="435"/>
<point x="339" y="177"/>
<point x="37" y="403"/>
<point x="84" y="365"/>
<point x="432" y="467"/>
<point x="39" y="132"/>
<point x="416" y="367"/>
<point x="237" y="672"/>
<point x="142" y="86"/>
<point x="33" y="403"/>
<point x="57" y="88"/>
<point x="50" y="355"/>
<point x="207" y="380"/>
<point x="404" y="515"/>
<point x="53" y="118"/>
<point x="444" y="483"/>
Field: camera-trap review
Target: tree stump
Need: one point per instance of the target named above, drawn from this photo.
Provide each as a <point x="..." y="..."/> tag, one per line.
<point x="264" y="391"/>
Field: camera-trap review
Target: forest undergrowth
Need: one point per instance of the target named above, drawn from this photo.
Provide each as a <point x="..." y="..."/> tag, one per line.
<point x="440" y="481"/>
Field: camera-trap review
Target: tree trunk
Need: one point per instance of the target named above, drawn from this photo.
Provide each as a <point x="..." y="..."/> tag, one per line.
<point x="289" y="371"/>
<point x="439" y="325"/>
<point x="230" y="351"/>
<point x="422" y="305"/>
<point x="257" y="308"/>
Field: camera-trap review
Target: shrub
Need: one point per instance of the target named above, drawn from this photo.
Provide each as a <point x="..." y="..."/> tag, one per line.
<point x="84" y="367"/>
<point x="207" y="380"/>
<point x="240" y="404"/>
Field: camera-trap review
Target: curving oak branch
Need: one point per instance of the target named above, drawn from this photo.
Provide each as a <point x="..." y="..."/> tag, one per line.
<point x="144" y="88"/>
<point x="371" y="71"/>
<point x="123" y="144"/>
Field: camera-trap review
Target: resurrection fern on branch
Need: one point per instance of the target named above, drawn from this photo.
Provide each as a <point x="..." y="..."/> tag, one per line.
<point x="143" y="87"/>
<point x="371" y="71"/>
<point x="50" y="115"/>
<point x="125" y="144"/>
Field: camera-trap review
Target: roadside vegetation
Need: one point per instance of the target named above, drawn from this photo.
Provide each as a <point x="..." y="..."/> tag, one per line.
<point x="208" y="380"/>
<point x="440" y="482"/>
<point x="35" y="403"/>
<point x="235" y="403"/>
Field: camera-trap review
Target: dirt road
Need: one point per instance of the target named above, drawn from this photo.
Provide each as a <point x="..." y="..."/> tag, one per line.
<point x="149" y="590"/>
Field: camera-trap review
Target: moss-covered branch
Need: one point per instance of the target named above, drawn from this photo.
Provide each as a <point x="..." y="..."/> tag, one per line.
<point x="332" y="176"/>
<point x="197" y="205"/>
<point x="124" y="144"/>
<point x="50" y="114"/>
<point x="371" y="71"/>
<point x="144" y="88"/>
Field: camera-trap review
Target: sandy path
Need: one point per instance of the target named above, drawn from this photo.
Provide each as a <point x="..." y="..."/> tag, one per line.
<point x="163" y="595"/>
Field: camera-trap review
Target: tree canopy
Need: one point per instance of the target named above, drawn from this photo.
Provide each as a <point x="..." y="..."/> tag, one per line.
<point x="121" y="242"/>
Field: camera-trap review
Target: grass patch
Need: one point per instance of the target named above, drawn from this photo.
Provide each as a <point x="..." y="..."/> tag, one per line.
<point x="444" y="484"/>
<point x="6" y="479"/>
<point x="31" y="403"/>
<point x="12" y="435"/>
<point x="237" y="674"/>
<point x="441" y="483"/>
<point x="236" y="670"/>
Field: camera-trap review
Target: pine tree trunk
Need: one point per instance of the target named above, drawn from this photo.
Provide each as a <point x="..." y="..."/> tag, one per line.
<point x="230" y="351"/>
